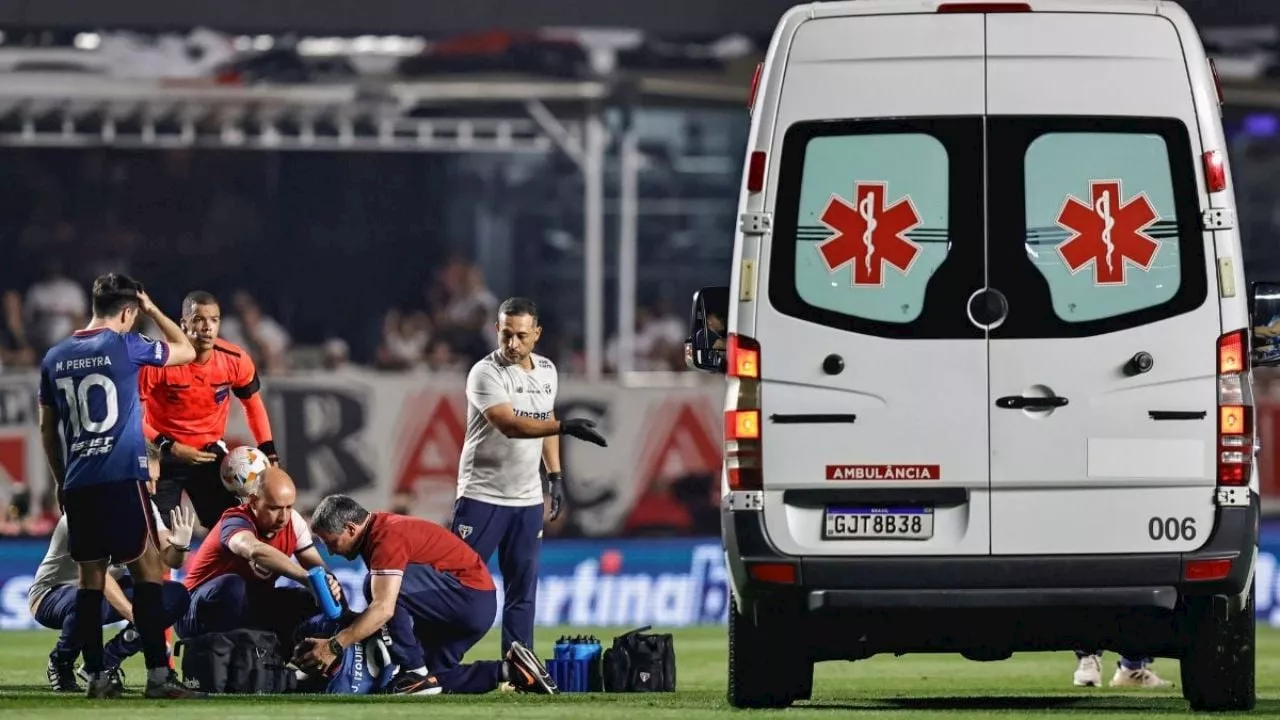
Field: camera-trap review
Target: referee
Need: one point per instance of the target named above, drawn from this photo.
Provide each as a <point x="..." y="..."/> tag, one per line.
<point x="511" y="429"/>
<point x="187" y="408"/>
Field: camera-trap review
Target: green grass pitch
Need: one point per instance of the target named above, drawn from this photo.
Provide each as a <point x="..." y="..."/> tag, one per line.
<point x="913" y="687"/>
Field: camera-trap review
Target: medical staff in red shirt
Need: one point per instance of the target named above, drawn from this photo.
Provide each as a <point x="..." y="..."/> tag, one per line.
<point x="433" y="594"/>
<point x="233" y="575"/>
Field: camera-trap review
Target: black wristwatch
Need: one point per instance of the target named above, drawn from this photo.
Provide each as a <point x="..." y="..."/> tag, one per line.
<point x="335" y="647"/>
<point x="165" y="443"/>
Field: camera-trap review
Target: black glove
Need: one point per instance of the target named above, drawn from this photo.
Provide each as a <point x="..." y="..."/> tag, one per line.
<point x="583" y="429"/>
<point x="217" y="448"/>
<point x="555" y="488"/>
<point x="268" y="448"/>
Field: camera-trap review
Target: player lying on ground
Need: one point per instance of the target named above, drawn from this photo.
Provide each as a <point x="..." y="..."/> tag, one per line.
<point x="187" y="409"/>
<point x="52" y="594"/>
<point x="89" y="398"/>
<point x="233" y="575"/>
<point x="511" y="428"/>
<point x="434" y="595"/>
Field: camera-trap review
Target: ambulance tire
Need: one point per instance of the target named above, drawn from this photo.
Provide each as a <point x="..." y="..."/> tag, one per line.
<point x="1219" y="667"/>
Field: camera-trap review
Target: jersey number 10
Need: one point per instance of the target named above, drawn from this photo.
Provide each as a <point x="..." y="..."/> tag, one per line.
<point x="77" y="397"/>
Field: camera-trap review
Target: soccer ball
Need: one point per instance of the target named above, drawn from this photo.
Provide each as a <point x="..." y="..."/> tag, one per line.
<point x="242" y="469"/>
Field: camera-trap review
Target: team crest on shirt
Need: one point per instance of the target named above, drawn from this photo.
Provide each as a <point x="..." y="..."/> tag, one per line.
<point x="547" y="388"/>
<point x="221" y="393"/>
<point x="464" y="531"/>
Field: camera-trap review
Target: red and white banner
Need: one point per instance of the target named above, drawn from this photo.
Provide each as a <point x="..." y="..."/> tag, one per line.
<point x="393" y="441"/>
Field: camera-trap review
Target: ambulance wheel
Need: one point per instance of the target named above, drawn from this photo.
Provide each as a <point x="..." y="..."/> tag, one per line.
<point x="759" y="677"/>
<point x="1219" y="666"/>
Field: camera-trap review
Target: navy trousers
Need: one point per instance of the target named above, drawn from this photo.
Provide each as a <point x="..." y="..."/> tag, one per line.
<point x="515" y="532"/>
<point x="436" y="621"/>
<point x="228" y="602"/>
<point x="1129" y="663"/>
<point x="57" y="611"/>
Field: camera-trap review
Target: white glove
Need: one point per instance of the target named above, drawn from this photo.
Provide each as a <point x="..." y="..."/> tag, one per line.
<point x="182" y="523"/>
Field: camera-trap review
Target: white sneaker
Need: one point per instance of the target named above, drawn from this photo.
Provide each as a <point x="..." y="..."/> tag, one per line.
<point x="1089" y="671"/>
<point x="1141" y="678"/>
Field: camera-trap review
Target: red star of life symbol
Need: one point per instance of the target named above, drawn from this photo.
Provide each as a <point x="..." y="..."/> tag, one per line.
<point x="868" y="235"/>
<point x="1108" y="233"/>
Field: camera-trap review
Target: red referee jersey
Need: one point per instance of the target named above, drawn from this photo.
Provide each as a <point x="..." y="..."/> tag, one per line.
<point x="393" y="542"/>
<point x="190" y="403"/>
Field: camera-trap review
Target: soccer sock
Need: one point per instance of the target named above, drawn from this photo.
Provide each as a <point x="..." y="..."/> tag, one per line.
<point x="168" y="632"/>
<point x="1128" y="664"/>
<point x="148" y="617"/>
<point x="88" y="628"/>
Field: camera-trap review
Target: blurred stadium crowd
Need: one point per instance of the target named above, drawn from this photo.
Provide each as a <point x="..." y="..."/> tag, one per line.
<point x="289" y="300"/>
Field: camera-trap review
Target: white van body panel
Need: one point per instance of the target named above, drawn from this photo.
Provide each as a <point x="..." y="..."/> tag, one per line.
<point x="873" y="66"/>
<point x="1091" y="477"/>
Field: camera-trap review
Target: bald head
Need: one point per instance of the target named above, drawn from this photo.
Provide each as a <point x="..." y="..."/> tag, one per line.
<point x="277" y="488"/>
<point x="272" y="502"/>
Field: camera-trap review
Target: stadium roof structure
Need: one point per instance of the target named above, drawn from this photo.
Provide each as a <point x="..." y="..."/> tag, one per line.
<point x="444" y="114"/>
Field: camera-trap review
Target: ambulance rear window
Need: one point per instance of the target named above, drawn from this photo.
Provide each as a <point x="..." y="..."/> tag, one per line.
<point x="1093" y="223"/>
<point x="1102" y="227"/>
<point x="868" y="213"/>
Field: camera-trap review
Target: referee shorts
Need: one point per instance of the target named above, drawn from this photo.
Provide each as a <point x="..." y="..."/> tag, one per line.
<point x="202" y="483"/>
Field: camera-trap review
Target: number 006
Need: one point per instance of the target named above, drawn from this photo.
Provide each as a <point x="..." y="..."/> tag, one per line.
<point x="1171" y="529"/>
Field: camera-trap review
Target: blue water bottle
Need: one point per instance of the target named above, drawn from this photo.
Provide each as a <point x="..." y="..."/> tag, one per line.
<point x="581" y="649"/>
<point x="320" y="586"/>
<point x="561" y="651"/>
<point x="595" y="665"/>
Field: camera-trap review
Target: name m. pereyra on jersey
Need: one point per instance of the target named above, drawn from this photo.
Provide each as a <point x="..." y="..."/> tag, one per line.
<point x="495" y="468"/>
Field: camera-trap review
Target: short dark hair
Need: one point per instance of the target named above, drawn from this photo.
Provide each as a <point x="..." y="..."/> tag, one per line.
<point x="194" y="298"/>
<point x="334" y="512"/>
<point x="519" y="306"/>
<point x="113" y="294"/>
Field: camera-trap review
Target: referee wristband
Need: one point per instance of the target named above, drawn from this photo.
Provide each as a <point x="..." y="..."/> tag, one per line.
<point x="183" y="548"/>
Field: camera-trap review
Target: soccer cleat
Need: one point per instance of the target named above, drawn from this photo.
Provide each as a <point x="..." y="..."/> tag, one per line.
<point x="1089" y="671"/>
<point x="171" y="688"/>
<point x="1142" y="677"/>
<point x="103" y="686"/>
<point x="114" y="675"/>
<point x="412" y="683"/>
<point x="62" y="677"/>
<point x="527" y="673"/>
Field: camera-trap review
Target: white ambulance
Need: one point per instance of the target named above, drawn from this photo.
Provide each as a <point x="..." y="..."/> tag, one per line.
<point x="988" y="347"/>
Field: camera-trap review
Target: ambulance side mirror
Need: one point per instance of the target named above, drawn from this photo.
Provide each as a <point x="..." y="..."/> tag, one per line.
<point x="704" y="349"/>
<point x="1264" y="311"/>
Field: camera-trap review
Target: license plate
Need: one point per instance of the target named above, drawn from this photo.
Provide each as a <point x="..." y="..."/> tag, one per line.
<point x="879" y="523"/>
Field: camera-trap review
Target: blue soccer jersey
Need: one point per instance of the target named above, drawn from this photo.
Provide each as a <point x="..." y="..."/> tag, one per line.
<point x="90" y="380"/>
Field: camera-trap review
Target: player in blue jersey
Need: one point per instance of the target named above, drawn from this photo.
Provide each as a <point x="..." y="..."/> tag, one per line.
<point x="91" y="427"/>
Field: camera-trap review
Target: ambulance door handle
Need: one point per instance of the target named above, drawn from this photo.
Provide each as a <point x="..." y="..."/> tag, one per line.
<point x="1019" y="402"/>
<point x="815" y="418"/>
